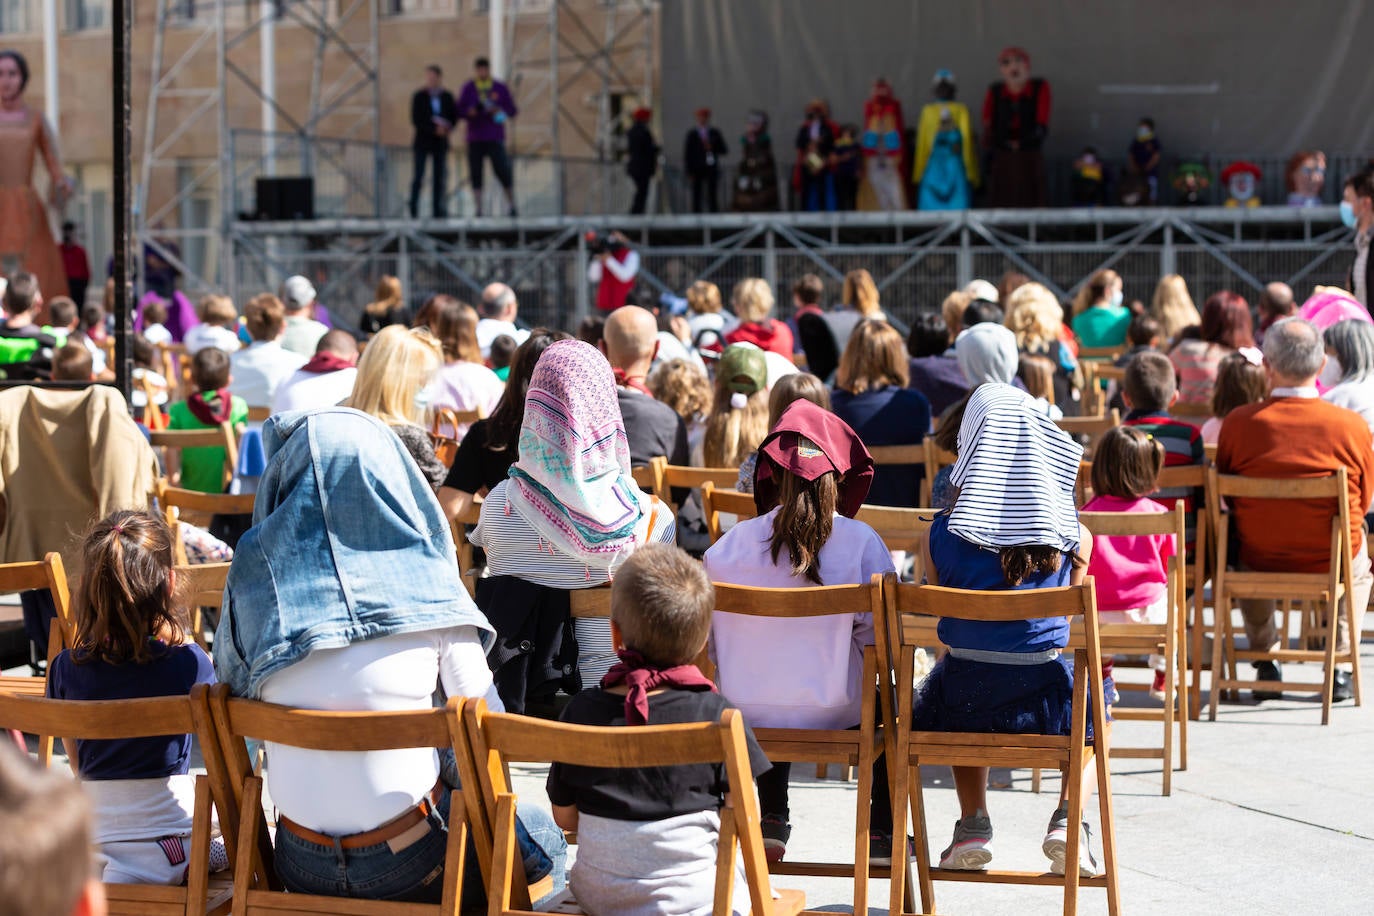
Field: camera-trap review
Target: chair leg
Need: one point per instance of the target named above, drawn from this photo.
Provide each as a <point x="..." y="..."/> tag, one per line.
<point x="1183" y="694"/>
<point x="862" y="823"/>
<point x="899" y="776"/>
<point x="1355" y="639"/>
<point x="918" y="820"/>
<point x="1221" y="610"/>
<point x="1035" y="780"/>
<point x="1074" y="775"/>
<point x="1108" y="829"/>
<point x="1329" y="666"/>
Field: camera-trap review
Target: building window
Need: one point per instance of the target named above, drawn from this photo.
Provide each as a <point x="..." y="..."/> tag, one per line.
<point x="87" y="15"/>
<point x="15" y="16"/>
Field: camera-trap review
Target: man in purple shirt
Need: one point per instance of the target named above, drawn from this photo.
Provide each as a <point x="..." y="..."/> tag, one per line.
<point x="487" y="104"/>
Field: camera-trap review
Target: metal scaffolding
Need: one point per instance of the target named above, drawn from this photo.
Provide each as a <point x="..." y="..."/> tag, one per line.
<point x="915" y="257"/>
<point x="192" y="96"/>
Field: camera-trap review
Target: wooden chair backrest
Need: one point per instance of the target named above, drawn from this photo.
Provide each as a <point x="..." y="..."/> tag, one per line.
<point x="497" y="739"/>
<point x="1106" y="354"/>
<point x="716" y="500"/>
<point x="196" y="508"/>
<point x="112" y="720"/>
<point x="814" y="601"/>
<point x="935" y="459"/>
<point x="900" y="528"/>
<point x="1136" y="524"/>
<point x="1092" y="427"/>
<point x="223" y="436"/>
<point x="463" y="547"/>
<point x="669" y="477"/>
<point x="1223" y="487"/>
<point x="443" y="432"/>
<point x="45" y="573"/>
<point x="645" y="477"/>
<point x="1210" y="451"/>
<point x="259" y="414"/>
<point x="898" y="454"/>
<point x="1194" y="411"/>
<point x="152" y="413"/>
<point x="590" y="603"/>
<point x="201" y="585"/>
<point x="236" y="720"/>
<point x="1106" y="372"/>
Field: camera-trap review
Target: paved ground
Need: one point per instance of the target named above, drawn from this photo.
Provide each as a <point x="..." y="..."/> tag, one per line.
<point x="1274" y="815"/>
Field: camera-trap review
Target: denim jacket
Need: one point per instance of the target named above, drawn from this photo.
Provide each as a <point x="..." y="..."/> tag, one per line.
<point x="348" y="544"/>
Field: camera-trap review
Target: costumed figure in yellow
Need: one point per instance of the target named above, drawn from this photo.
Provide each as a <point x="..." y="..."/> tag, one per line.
<point x="26" y="239"/>
<point x="946" y="165"/>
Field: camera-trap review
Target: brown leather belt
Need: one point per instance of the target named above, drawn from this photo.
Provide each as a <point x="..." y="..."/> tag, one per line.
<point x="375" y="837"/>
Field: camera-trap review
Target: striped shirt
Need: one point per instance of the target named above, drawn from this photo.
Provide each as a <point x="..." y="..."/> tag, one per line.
<point x="1182" y="447"/>
<point x="514" y="548"/>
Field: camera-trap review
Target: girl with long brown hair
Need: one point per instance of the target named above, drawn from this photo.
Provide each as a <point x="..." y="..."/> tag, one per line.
<point x="813" y="475"/>
<point x="131" y="642"/>
<point x="464" y="383"/>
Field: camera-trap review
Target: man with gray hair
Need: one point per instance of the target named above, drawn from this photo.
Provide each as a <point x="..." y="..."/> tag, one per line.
<point x="498" y="308"/>
<point x="1293" y="434"/>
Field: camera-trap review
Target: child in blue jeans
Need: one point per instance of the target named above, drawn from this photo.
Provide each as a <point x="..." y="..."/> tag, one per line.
<point x="131" y="643"/>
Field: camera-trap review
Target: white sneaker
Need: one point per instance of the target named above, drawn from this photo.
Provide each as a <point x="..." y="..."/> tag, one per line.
<point x="1056" y="846"/>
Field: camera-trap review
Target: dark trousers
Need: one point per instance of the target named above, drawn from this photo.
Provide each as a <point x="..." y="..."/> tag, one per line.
<point x="495" y="151"/>
<point x="39" y="612"/>
<point x="77" y="290"/>
<point x="705" y="186"/>
<point x="772" y="787"/>
<point x="440" y="157"/>
<point x="641" y="195"/>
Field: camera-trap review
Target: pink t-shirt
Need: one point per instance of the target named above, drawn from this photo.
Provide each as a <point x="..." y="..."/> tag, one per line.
<point x="1130" y="571"/>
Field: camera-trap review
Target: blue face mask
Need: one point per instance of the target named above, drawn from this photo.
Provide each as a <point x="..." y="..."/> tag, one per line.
<point x="1117" y="299"/>
<point x="1348" y="214"/>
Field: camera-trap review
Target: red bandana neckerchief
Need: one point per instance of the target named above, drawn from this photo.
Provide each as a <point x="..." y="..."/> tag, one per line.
<point x="327" y="362"/>
<point x="634" y="671"/>
<point x="213" y="410"/>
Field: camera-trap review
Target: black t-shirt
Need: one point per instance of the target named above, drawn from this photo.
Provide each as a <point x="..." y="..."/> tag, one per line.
<point x="653" y="429"/>
<point x="476" y="467"/>
<point x="646" y="793"/>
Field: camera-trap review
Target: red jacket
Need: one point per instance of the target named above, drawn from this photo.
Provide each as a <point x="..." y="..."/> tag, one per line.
<point x="770" y="335"/>
<point x="611" y="293"/>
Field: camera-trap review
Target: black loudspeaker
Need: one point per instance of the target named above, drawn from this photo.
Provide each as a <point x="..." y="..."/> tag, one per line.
<point x="285" y="198"/>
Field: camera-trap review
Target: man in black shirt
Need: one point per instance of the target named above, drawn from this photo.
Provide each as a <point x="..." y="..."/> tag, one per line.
<point x="433" y="112"/>
<point x="630" y="344"/>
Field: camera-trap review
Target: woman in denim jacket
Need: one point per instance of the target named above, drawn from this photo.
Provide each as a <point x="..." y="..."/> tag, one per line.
<point x="344" y="595"/>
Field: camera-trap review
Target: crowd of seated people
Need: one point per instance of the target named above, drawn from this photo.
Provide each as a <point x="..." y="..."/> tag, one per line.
<point x="544" y="484"/>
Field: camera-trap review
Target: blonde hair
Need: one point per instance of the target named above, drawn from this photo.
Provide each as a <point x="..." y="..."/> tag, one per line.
<point x="874" y="358"/>
<point x="753" y="299"/>
<point x="1173" y="307"/>
<point x="217" y="310"/>
<point x="1034" y="316"/>
<point x="683" y="387"/>
<point x="394" y="367"/>
<point x="952" y="310"/>
<point x="703" y="298"/>
<point x="1095" y="289"/>
<point x="732" y="433"/>
<point x="861" y="293"/>
<point x="388" y="296"/>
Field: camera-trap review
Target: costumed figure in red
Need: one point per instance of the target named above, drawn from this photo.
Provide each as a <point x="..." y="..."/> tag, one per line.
<point x="881" y="139"/>
<point x="1016" y="117"/>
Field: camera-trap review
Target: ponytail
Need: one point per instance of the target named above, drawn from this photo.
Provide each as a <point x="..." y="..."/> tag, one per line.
<point x="805" y="519"/>
<point x="124" y="600"/>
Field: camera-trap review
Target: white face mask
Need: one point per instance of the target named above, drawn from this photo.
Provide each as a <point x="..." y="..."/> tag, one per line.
<point x="1332" y="372"/>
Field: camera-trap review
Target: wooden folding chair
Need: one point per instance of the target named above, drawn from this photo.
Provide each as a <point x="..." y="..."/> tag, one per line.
<point x="1195" y="572"/>
<point x="884" y="455"/>
<point x="497" y="739"/>
<point x="175" y="440"/>
<point x="645" y="477"/>
<point x="1329" y="589"/>
<point x="1100" y="354"/>
<point x="196" y="508"/>
<point x="1185" y="411"/>
<point x="153" y="419"/>
<point x="670" y="477"/>
<point x="443" y="432"/>
<point x="256" y="886"/>
<point x="849" y="747"/>
<point x="935" y="459"/>
<point x="1145" y="638"/>
<point x="908" y="608"/>
<point x="202" y="586"/>
<point x="259" y="414"/>
<point x="21" y="577"/>
<point x="1093" y="427"/>
<point x="900" y="528"/>
<point x="467" y="566"/>
<point x="112" y="720"/>
<point x="714" y="501"/>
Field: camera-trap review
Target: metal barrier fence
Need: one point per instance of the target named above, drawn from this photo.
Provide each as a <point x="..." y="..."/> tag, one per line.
<point x="355" y="179"/>
<point x="916" y="258"/>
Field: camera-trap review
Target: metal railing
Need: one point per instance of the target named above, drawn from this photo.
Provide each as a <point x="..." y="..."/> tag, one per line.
<point x="916" y="258"/>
